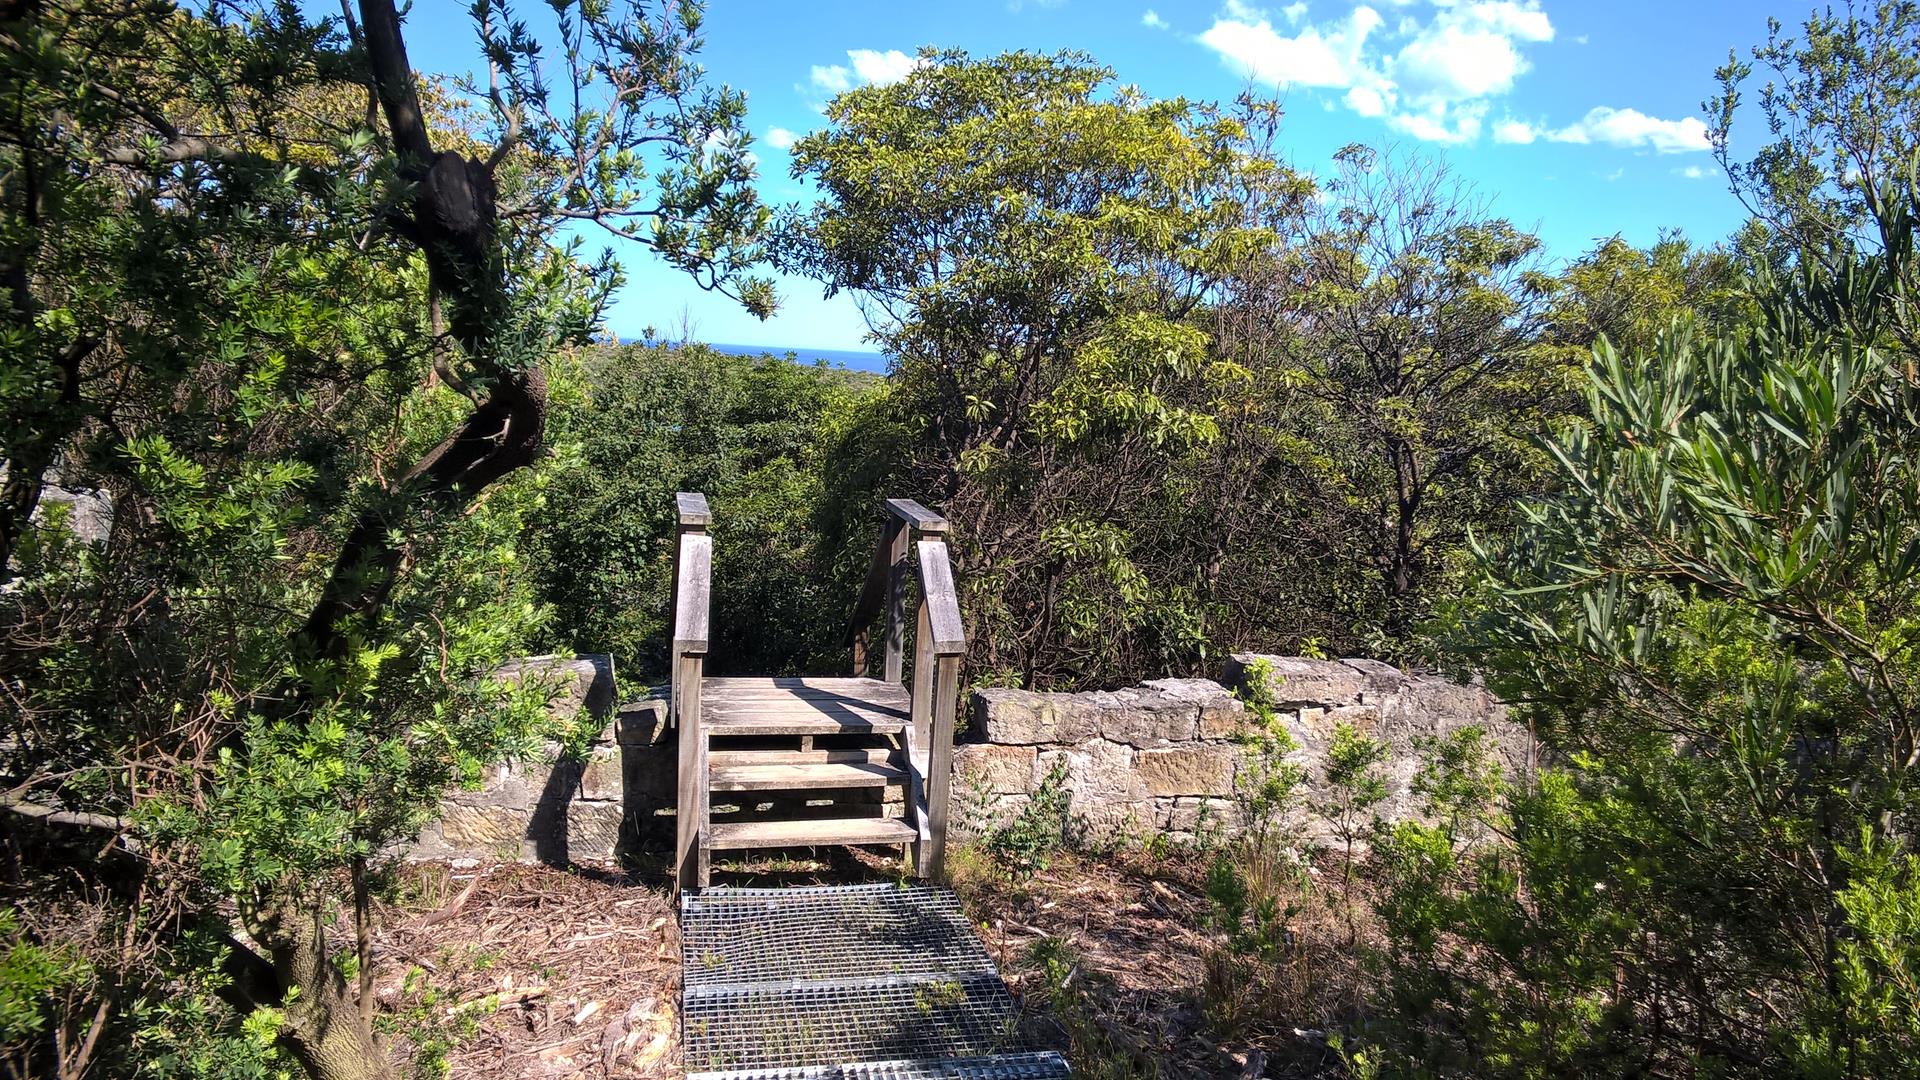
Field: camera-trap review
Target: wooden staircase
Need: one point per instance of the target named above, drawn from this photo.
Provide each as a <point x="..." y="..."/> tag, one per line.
<point x="794" y="759"/>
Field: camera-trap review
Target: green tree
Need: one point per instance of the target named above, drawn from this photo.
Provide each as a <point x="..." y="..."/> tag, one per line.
<point x="1716" y="630"/>
<point x="1398" y="358"/>
<point x="750" y="432"/>
<point x="1842" y="110"/>
<point x="290" y="313"/>
<point x="1029" y="241"/>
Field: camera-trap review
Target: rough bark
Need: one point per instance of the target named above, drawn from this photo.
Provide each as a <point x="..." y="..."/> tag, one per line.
<point x="322" y="1026"/>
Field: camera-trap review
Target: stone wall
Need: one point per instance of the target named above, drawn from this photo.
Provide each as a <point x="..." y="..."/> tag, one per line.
<point x="1163" y="757"/>
<point x="550" y="809"/>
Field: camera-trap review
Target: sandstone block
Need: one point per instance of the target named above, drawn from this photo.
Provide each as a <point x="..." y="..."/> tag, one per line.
<point x="1380" y="678"/>
<point x="1188" y="770"/>
<point x="1294" y="680"/>
<point x="603" y="777"/>
<point x="593" y="831"/>
<point x="643" y="723"/>
<point x="490" y="830"/>
<point x="1097" y="771"/>
<point x="1191" y="815"/>
<point x="581" y="685"/>
<point x="1142" y="718"/>
<point x="1364" y="719"/>
<point x="1026" y="718"/>
<point x="998" y="769"/>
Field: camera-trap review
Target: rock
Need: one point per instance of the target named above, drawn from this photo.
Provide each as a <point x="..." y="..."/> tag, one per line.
<point x="1141" y="717"/>
<point x="584" y="684"/>
<point x="593" y="831"/>
<point x="1380" y="678"/>
<point x="495" y="830"/>
<point x="1293" y="680"/>
<point x="999" y="770"/>
<point x="1099" y="769"/>
<point x="88" y="512"/>
<point x="644" y="722"/>
<point x="1023" y="717"/>
<point x="1363" y="719"/>
<point x="1188" y="770"/>
<point x="603" y="777"/>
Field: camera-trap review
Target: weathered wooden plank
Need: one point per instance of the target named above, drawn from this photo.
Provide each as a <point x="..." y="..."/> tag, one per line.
<point x="875" y="755"/>
<point x="693" y="585"/>
<point x="916" y="516"/>
<point x="786" y="683"/>
<point x="940" y="600"/>
<point x="691" y="508"/>
<point x="916" y="802"/>
<point x="896" y="628"/>
<point x="691" y="803"/>
<point x="772" y="834"/>
<point x="806" y="777"/>
<point x="921" y="708"/>
<point x="724" y="714"/>
<point x="872" y="594"/>
<point x="797" y="724"/>
<point x="946" y="693"/>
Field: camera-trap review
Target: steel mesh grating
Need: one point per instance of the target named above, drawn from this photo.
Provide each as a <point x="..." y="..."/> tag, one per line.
<point x="858" y="982"/>
<point x="736" y="937"/>
<point x="828" y="1023"/>
<point x="1040" y="1066"/>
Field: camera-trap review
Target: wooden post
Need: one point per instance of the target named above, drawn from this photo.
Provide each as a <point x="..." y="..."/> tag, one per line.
<point x="900" y="536"/>
<point x="942" y="642"/>
<point x="691" y="809"/>
<point x="922" y="712"/>
<point x="946" y="693"/>
<point x="692" y="585"/>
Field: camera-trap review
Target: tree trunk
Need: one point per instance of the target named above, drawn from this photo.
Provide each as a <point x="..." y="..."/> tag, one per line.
<point x="322" y="1026"/>
<point x="453" y="221"/>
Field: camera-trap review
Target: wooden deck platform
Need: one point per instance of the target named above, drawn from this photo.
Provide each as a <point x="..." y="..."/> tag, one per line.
<point x="796" y="759"/>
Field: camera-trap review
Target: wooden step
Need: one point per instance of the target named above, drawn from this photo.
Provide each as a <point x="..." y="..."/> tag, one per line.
<point x="803" y="706"/>
<point x="875" y="755"/>
<point x="803" y="777"/>
<point x="779" y="834"/>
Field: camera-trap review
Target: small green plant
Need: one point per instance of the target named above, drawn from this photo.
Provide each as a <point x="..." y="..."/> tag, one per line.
<point x="1024" y="846"/>
<point x="1070" y="992"/>
<point x="1354" y="789"/>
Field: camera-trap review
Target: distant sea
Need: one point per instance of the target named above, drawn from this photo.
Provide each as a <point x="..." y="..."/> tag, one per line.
<point x="853" y="359"/>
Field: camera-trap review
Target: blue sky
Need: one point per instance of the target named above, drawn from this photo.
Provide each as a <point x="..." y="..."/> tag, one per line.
<point x="1578" y="120"/>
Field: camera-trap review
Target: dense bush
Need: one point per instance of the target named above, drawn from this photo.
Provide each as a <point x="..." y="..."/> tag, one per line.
<point x="753" y="433"/>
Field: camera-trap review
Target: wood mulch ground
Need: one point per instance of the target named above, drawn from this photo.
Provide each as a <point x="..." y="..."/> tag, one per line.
<point x="534" y="971"/>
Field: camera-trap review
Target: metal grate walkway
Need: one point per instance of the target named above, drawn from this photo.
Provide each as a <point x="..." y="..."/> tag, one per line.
<point x="849" y="982"/>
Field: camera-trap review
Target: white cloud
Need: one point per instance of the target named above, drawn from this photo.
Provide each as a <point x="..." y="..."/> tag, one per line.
<point x="1432" y="80"/>
<point x="870" y="66"/>
<point x="1433" y="76"/>
<point x="1152" y="20"/>
<point x="780" y="138"/>
<point x="1694" y="172"/>
<point x="1248" y="43"/>
<point x="1514" y="131"/>
<point x="1635" y="129"/>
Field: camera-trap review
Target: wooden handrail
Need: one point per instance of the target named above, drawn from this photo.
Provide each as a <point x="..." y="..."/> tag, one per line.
<point x="905" y="522"/>
<point x="692" y="591"/>
<point x="913" y="539"/>
<point x="940" y="642"/>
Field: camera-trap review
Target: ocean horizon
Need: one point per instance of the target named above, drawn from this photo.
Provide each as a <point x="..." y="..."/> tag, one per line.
<point x="851" y="359"/>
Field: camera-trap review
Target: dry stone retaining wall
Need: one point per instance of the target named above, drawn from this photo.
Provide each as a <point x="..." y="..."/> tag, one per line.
<point x="1164" y="756"/>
